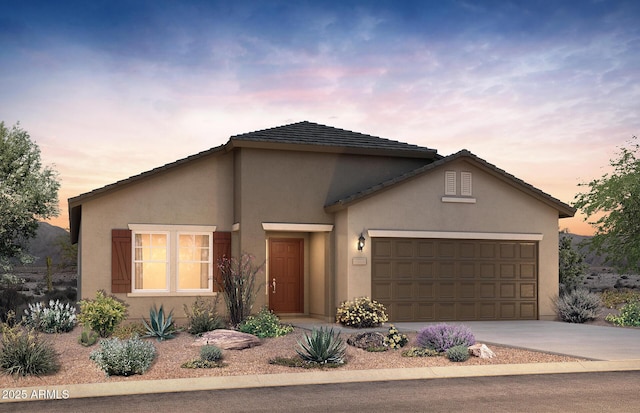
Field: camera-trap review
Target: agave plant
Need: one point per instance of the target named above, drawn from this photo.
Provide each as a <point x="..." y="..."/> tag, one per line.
<point x="322" y="346"/>
<point x="158" y="326"/>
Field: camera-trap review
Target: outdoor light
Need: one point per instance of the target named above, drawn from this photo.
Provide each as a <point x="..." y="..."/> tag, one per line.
<point x="361" y="242"/>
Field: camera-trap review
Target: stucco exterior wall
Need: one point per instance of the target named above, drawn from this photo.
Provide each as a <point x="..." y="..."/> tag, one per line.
<point x="418" y="205"/>
<point x="197" y="193"/>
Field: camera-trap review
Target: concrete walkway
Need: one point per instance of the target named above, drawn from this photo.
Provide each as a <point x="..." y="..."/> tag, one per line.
<point x="615" y="349"/>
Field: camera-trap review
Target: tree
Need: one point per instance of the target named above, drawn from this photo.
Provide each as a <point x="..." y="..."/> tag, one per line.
<point x="612" y="206"/>
<point x="571" y="267"/>
<point x="28" y="192"/>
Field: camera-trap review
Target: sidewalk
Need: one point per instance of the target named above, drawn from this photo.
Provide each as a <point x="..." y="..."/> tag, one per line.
<point x="612" y="345"/>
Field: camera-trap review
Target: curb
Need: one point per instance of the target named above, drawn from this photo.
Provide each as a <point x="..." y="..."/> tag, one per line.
<point x="123" y="388"/>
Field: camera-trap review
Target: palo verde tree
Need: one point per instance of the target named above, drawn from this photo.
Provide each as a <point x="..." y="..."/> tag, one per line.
<point x="28" y="192"/>
<point x="612" y="206"/>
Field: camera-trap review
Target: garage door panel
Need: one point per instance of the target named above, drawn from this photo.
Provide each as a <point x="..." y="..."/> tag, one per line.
<point x="404" y="291"/>
<point x="404" y="311"/>
<point x="426" y="290"/>
<point x="528" y="290"/>
<point x="450" y="280"/>
<point x="403" y="269"/>
<point x="382" y="291"/>
<point x="425" y="312"/>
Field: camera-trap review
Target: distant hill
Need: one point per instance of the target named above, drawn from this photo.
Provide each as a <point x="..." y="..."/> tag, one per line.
<point x="579" y="243"/>
<point x="45" y="244"/>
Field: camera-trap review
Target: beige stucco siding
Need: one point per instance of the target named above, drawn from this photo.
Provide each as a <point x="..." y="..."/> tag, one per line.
<point x="197" y="193"/>
<point x="417" y="205"/>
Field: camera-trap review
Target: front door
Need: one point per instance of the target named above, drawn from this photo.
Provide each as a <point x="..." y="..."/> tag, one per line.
<point x="286" y="256"/>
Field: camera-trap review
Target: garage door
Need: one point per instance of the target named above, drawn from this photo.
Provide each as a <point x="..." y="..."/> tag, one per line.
<point x="453" y="279"/>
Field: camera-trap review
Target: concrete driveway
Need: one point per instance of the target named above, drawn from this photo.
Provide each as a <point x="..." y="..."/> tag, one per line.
<point x="578" y="340"/>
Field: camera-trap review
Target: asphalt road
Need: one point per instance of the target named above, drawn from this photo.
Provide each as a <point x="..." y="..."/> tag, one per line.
<point x="585" y="392"/>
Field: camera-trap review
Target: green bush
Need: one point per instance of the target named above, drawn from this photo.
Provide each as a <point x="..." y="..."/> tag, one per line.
<point x="103" y="314"/>
<point x="420" y="352"/>
<point x="160" y="326"/>
<point x="124" y="357"/>
<point x="458" y="353"/>
<point x="203" y="316"/>
<point x="23" y="352"/>
<point x="55" y="318"/>
<point x="363" y="312"/>
<point x="322" y="347"/>
<point x="629" y="315"/>
<point x="578" y="306"/>
<point x="265" y="324"/>
<point x="210" y="353"/>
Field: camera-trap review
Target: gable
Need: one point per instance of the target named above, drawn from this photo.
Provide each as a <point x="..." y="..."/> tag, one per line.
<point x="462" y="183"/>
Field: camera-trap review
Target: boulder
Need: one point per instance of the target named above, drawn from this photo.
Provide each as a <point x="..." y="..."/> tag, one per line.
<point x="366" y="340"/>
<point x="227" y="339"/>
<point x="482" y="351"/>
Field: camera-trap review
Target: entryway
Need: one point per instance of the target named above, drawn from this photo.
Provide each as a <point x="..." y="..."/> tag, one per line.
<point x="286" y="275"/>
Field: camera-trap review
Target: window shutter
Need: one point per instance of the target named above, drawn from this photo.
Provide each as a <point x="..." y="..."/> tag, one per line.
<point x="221" y="248"/>
<point x="450" y="183"/>
<point x="120" y="261"/>
<point x="465" y="184"/>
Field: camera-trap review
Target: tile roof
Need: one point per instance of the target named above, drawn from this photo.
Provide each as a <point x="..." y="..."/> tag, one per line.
<point x="314" y="134"/>
<point x="564" y="210"/>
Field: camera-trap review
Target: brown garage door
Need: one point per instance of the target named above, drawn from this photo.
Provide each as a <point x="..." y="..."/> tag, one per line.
<point x="451" y="279"/>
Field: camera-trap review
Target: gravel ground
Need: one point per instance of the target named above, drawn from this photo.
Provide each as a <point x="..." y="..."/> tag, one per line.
<point x="78" y="368"/>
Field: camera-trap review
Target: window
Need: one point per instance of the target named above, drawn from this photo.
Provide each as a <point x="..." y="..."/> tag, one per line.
<point x="172" y="259"/>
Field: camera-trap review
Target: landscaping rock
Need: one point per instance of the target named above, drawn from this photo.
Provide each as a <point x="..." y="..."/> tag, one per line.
<point x="482" y="351"/>
<point x="366" y="340"/>
<point x="227" y="340"/>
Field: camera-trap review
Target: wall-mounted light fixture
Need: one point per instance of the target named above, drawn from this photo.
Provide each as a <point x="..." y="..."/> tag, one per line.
<point x="361" y="242"/>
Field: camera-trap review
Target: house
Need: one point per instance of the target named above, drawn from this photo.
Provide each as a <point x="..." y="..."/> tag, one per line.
<point x="336" y="215"/>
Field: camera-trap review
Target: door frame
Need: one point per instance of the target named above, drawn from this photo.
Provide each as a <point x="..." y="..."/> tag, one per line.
<point x="301" y="271"/>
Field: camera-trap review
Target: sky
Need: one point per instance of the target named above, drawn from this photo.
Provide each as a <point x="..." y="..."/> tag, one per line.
<point x="546" y="90"/>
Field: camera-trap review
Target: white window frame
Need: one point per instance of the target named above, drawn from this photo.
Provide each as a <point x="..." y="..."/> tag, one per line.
<point x="173" y="232"/>
<point x="167" y="261"/>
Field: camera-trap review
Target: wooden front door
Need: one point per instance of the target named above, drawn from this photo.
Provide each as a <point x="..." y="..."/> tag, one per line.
<point x="286" y="289"/>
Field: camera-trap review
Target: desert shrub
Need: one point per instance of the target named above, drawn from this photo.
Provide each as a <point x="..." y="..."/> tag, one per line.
<point x="24" y="353"/>
<point x="103" y="314"/>
<point x="124" y="357"/>
<point x="88" y="337"/>
<point x="578" y="306"/>
<point x="160" y="325"/>
<point x="322" y="346"/>
<point x="395" y="339"/>
<point x="54" y="318"/>
<point x="203" y="316"/>
<point x="297" y="362"/>
<point x="629" y="315"/>
<point x="238" y="284"/>
<point x="210" y="356"/>
<point x="210" y="353"/>
<point x="441" y="337"/>
<point x="458" y="353"/>
<point x="613" y="298"/>
<point x="420" y="352"/>
<point x="571" y="268"/>
<point x="129" y="330"/>
<point x="362" y="312"/>
<point x="265" y="324"/>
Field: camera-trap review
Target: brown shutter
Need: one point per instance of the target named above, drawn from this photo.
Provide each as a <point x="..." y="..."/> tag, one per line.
<point x="221" y="248"/>
<point x="120" y="261"/>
